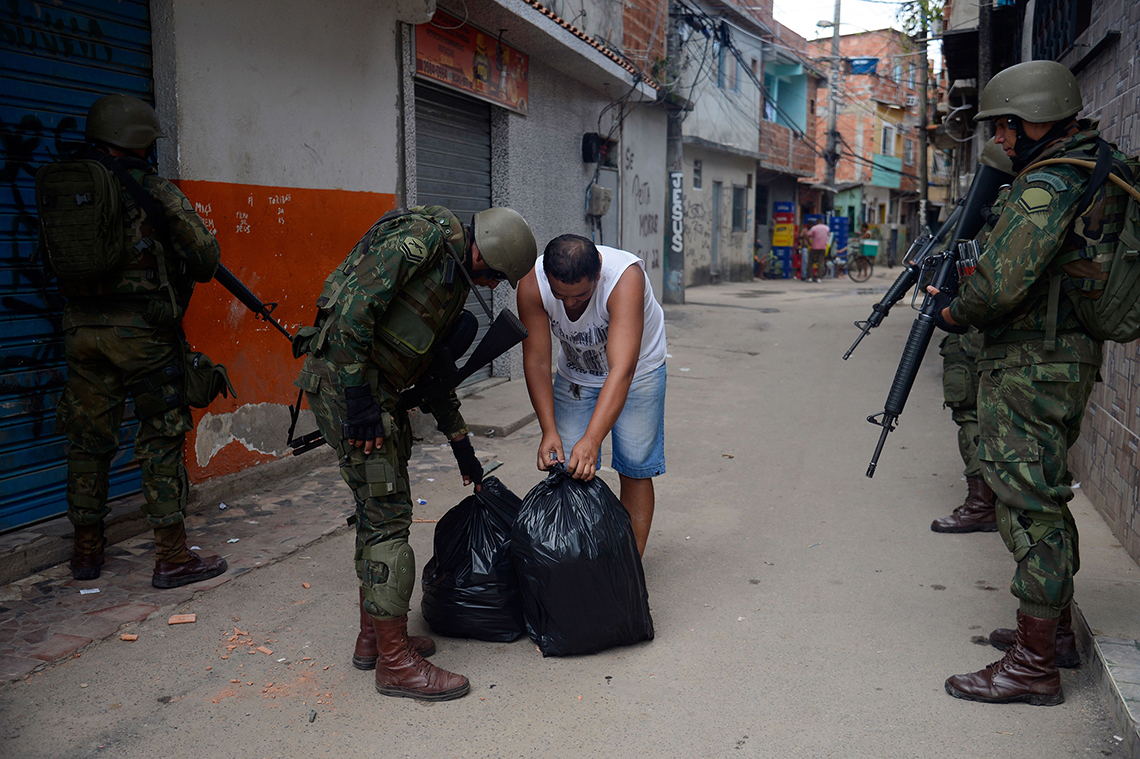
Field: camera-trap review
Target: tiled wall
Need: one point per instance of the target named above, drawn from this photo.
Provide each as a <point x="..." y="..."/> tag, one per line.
<point x="1106" y="459"/>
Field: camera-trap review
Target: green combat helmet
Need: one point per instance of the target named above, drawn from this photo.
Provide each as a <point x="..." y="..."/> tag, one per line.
<point x="122" y="121"/>
<point x="1036" y="91"/>
<point x="505" y="242"/>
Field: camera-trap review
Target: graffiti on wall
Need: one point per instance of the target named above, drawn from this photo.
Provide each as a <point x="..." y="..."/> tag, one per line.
<point x="59" y="34"/>
<point x="648" y="221"/>
<point x="33" y="368"/>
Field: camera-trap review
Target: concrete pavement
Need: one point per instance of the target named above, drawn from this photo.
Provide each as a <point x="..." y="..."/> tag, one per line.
<point x="801" y="609"/>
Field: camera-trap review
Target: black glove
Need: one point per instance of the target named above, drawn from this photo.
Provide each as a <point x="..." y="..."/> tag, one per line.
<point x="942" y="301"/>
<point x="363" y="420"/>
<point x="469" y="465"/>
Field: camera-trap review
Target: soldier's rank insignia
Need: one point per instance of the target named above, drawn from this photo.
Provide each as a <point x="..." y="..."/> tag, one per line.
<point x="1035" y="202"/>
<point x="414" y="250"/>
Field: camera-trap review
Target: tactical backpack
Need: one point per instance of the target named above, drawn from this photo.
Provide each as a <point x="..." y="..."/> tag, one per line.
<point x="81" y="219"/>
<point x="1103" y="281"/>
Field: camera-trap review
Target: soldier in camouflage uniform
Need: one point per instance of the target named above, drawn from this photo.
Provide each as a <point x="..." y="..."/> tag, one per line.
<point x="960" y="395"/>
<point x="122" y="338"/>
<point x="1038" y="364"/>
<point x="383" y="313"/>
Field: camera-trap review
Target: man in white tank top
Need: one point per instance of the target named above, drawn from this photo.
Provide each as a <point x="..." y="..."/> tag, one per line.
<point x="598" y="302"/>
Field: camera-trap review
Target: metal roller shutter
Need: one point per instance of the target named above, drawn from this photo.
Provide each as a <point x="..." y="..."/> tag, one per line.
<point x="453" y="166"/>
<point x="57" y="60"/>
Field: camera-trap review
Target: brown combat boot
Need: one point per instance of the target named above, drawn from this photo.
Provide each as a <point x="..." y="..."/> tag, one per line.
<point x="87" y="556"/>
<point x="1067" y="654"/>
<point x="1026" y="673"/>
<point x="402" y="672"/>
<point x="176" y="565"/>
<point x="976" y="514"/>
<point x="364" y="657"/>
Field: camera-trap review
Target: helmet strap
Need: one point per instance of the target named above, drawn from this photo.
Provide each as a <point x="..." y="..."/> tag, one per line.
<point x="1026" y="150"/>
<point x="468" y="257"/>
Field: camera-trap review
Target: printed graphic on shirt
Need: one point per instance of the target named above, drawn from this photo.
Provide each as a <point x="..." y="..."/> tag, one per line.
<point x="586" y="350"/>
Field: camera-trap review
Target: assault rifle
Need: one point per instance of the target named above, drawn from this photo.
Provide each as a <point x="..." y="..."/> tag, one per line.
<point x="991" y="174"/>
<point x="261" y="310"/>
<point x="264" y="311"/>
<point x="965" y="223"/>
<point x="505" y="333"/>
<point x="913" y="263"/>
<point x="945" y="267"/>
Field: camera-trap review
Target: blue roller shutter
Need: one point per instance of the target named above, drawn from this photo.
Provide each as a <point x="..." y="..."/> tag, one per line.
<point x="56" y="61"/>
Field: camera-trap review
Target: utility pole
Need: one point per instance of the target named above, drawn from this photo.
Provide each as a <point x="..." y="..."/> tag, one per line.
<point x="985" y="58"/>
<point x="833" y="80"/>
<point x="674" y="253"/>
<point x="923" y="169"/>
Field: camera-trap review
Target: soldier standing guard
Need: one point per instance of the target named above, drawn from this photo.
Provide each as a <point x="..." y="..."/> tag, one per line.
<point x="123" y="337"/>
<point x="383" y="313"/>
<point x="1038" y="362"/>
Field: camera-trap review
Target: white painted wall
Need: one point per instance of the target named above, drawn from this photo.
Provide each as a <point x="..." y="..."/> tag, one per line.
<point x="721" y="115"/>
<point x="735" y="252"/>
<point x="295" y="93"/>
<point x="644" y="190"/>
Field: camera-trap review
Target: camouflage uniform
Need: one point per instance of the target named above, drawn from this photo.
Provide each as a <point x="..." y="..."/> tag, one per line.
<point x="960" y="393"/>
<point x="122" y="337"/>
<point x="1032" y="394"/>
<point x="384" y="311"/>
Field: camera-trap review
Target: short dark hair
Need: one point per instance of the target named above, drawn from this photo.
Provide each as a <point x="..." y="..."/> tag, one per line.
<point x="571" y="258"/>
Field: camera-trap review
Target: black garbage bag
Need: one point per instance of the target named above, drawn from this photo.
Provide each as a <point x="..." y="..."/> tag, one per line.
<point x="470" y="586"/>
<point x="582" y="583"/>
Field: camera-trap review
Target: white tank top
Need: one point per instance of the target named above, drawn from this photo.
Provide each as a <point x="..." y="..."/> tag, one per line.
<point x="582" y="356"/>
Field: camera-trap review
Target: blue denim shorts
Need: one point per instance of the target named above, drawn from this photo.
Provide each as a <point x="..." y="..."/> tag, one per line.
<point x="638" y="435"/>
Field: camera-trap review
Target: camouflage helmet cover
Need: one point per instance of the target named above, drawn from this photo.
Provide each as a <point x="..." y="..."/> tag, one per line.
<point x="122" y="121"/>
<point x="1035" y="91"/>
<point x="505" y="242"/>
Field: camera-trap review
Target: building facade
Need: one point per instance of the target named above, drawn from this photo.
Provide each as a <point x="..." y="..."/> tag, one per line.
<point x="879" y="126"/>
<point x="291" y="138"/>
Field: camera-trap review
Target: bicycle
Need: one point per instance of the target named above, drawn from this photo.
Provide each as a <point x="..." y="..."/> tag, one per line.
<point x="861" y="270"/>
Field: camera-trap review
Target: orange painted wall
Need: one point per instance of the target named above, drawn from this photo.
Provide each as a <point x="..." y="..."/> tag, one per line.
<point x="281" y="242"/>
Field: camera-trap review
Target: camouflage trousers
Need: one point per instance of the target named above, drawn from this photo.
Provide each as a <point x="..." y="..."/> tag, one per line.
<point x="105" y="366"/>
<point x="960" y="393"/>
<point x="385" y="562"/>
<point x="1029" y="417"/>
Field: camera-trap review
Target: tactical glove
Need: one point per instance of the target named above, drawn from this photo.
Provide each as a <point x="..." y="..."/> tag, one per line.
<point x="469" y="465"/>
<point x="942" y="301"/>
<point x="363" y="420"/>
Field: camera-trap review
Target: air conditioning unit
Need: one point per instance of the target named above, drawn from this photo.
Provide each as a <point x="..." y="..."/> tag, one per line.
<point x="911" y="101"/>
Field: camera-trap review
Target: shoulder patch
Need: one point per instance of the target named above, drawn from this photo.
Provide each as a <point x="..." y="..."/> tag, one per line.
<point x="414" y="249"/>
<point x="1052" y="180"/>
<point x="1036" y="200"/>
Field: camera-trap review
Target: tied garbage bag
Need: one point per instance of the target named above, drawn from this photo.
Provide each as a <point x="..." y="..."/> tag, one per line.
<point x="582" y="583"/>
<point x="470" y="586"/>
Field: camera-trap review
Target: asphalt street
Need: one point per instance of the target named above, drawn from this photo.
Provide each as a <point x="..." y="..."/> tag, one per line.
<point x="801" y="609"/>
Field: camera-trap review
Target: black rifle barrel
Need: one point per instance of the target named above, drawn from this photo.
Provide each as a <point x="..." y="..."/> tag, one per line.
<point x="227" y="280"/>
<point x="907" y="278"/>
<point x="921" y="331"/>
<point x="504" y="333"/>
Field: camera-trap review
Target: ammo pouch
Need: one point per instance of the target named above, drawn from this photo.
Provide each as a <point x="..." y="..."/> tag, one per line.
<point x="305" y="341"/>
<point x="162" y="314"/>
<point x="149" y="392"/>
<point x="205" y="380"/>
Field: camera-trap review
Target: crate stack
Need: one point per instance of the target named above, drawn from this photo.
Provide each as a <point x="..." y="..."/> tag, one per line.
<point x="783" y="237"/>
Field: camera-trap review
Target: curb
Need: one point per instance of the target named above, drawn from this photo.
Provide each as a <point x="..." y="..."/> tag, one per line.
<point x="32" y="548"/>
<point x="1113" y="677"/>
